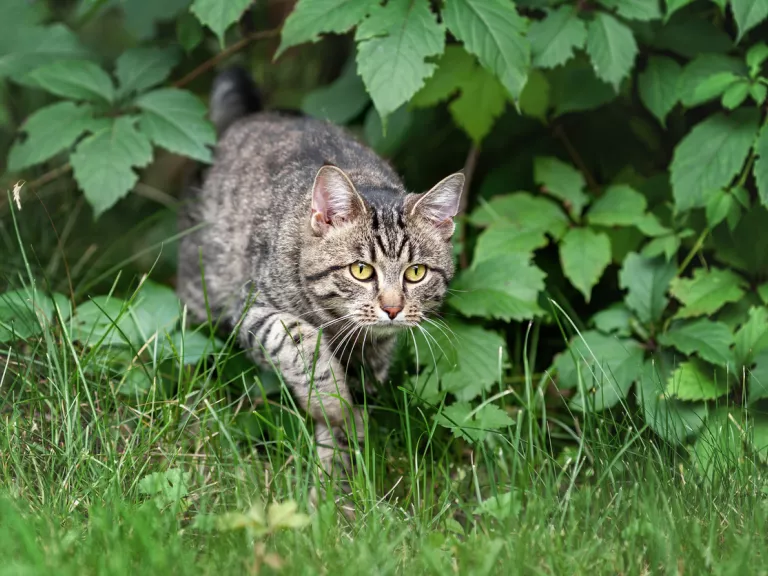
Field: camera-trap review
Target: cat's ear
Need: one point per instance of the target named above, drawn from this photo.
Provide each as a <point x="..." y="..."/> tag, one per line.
<point x="441" y="204"/>
<point x="334" y="200"/>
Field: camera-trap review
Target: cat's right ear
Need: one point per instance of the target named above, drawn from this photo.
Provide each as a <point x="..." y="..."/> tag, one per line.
<point x="334" y="200"/>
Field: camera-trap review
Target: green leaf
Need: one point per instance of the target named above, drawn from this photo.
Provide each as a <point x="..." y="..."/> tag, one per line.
<point x="706" y="69"/>
<point x="643" y="10"/>
<point x="611" y="47"/>
<point x="505" y="238"/>
<point x="75" y="79"/>
<point x="534" y="100"/>
<point x="493" y="31"/>
<point x="647" y="281"/>
<point x="166" y="488"/>
<point x="50" y="130"/>
<point x="621" y="205"/>
<point x="218" y="15"/>
<point x="103" y="163"/>
<point x="389" y="142"/>
<point x="23" y="49"/>
<point x="575" y="88"/>
<point x="506" y="288"/>
<point x="104" y="319"/>
<point x="758" y="378"/>
<point x="142" y="16"/>
<point x="189" y="32"/>
<point x="554" y="38"/>
<point x="339" y="102"/>
<point x="710" y="155"/>
<point x="138" y="69"/>
<point x="657" y="85"/>
<point x="285" y="515"/>
<point x="735" y="94"/>
<point x="482" y="98"/>
<point x="715" y="86"/>
<point x="707" y="291"/>
<point x="675" y="5"/>
<point x="695" y="380"/>
<point x="473" y="424"/>
<point x="464" y="357"/>
<point x="311" y="18"/>
<point x="748" y="14"/>
<point x="752" y="337"/>
<point x="562" y="181"/>
<point x="758" y="437"/>
<point x="584" y="254"/>
<point x="758" y="93"/>
<point x="615" y="319"/>
<point x="707" y="339"/>
<point x="730" y="245"/>
<point x="156" y="309"/>
<point x="392" y="45"/>
<point x="756" y="55"/>
<point x="26" y="313"/>
<point x="761" y="165"/>
<point x="672" y="419"/>
<point x="720" y="206"/>
<point x="525" y="211"/>
<point x="176" y="120"/>
<point x="191" y="347"/>
<point x="667" y="245"/>
<point x="689" y="37"/>
<point x="608" y="366"/>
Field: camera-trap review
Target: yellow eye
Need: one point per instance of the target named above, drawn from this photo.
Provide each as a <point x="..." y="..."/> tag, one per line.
<point x="361" y="271"/>
<point x="415" y="273"/>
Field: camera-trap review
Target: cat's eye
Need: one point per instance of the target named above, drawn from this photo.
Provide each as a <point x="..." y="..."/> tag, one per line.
<point x="415" y="273"/>
<point x="361" y="271"/>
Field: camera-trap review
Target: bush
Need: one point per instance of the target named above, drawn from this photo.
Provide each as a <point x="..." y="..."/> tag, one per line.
<point x="617" y="154"/>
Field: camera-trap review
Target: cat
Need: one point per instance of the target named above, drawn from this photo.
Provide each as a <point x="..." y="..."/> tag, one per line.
<point x="301" y="232"/>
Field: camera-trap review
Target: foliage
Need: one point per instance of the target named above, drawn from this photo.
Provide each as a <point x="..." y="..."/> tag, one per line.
<point x="619" y="203"/>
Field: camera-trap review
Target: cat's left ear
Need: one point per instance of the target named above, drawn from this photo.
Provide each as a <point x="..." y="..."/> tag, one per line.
<point x="441" y="204"/>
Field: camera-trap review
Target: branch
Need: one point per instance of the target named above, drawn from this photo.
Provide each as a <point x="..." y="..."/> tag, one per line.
<point x="469" y="170"/>
<point x="559" y="133"/>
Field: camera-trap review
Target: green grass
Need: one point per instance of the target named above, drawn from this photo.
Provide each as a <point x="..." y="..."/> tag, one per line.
<point x="84" y="480"/>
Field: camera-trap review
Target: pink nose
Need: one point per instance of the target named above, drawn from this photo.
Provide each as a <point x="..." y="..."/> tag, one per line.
<point x="392" y="311"/>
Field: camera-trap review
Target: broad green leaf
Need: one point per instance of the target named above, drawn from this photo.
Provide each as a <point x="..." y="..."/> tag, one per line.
<point x="143" y="16"/>
<point x="730" y="245"/>
<point x="481" y="97"/>
<point x="156" y="310"/>
<point x="657" y="85"/>
<point x="715" y="86"/>
<point x="707" y="291"/>
<point x="501" y="507"/>
<point x="694" y="380"/>
<point x="758" y="378"/>
<point x="643" y="10"/>
<point x="672" y="419"/>
<point x="505" y="238"/>
<point x="138" y="69"/>
<point x="23" y="49"/>
<point x="191" y="347"/>
<point x="667" y="245"/>
<point x="616" y="319"/>
<point x="756" y="55"/>
<point x="575" y="88"/>
<point x="392" y="45"/>
<point x="389" y="142"/>
<point x="718" y="452"/>
<point x="176" y="120"/>
<point x="758" y="92"/>
<point x="103" y="163"/>
<point x="341" y="101"/>
<point x="584" y="255"/>
<point x="710" y="155"/>
<point x="311" y="18"/>
<point x="534" y="100"/>
<point x="707" y="339"/>
<point x="218" y="15"/>
<point x="286" y="515"/>
<point x="675" y="5"/>
<point x="554" y="38"/>
<point x="464" y="357"/>
<point x="20" y="13"/>
<point x="189" y="32"/>
<point x="761" y="165"/>
<point x="506" y="287"/>
<point x="689" y="37"/>
<point x="646" y="280"/>
<point x="26" y="312"/>
<point x="758" y="437"/>
<point x="748" y="14"/>
<point x="735" y="94"/>
<point x="75" y="79"/>
<point x="752" y="337"/>
<point x="621" y="205"/>
<point x="50" y="130"/>
<point x="611" y="47"/>
<point x="472" y="424"/>
<point x="720" y="206"/>
<point x="523" y="210"/>
<point x="166" y="488"/>
<point x="704" y="69"/>
<point x="493" y="31"/>
<point x="104" y="319"/>
<point x="608" y="366"/>
<point x="562" y="181"/>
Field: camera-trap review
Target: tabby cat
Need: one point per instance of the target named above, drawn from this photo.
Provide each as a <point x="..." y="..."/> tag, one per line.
<point x="301" y="230"/>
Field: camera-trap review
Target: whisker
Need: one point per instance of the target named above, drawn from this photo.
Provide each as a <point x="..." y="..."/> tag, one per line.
<point x="426" y="339"/>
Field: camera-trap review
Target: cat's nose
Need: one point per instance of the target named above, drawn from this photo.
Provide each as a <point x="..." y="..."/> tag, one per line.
<point x="392" y="311"/>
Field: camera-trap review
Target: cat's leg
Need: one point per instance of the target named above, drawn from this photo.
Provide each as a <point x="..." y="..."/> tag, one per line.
<point x="317" y="381"/>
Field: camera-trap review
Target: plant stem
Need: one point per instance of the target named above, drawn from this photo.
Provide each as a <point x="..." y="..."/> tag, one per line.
<point x="469" y="169"/>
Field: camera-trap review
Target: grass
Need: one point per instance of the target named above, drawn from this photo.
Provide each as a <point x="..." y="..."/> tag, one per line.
<point x="171" y="480"/>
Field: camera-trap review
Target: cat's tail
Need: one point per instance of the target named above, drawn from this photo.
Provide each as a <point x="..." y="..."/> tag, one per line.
<point x="233" y="96"/>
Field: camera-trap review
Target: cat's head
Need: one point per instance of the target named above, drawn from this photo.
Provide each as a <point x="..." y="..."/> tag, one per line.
<point x="380" y="259"/>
